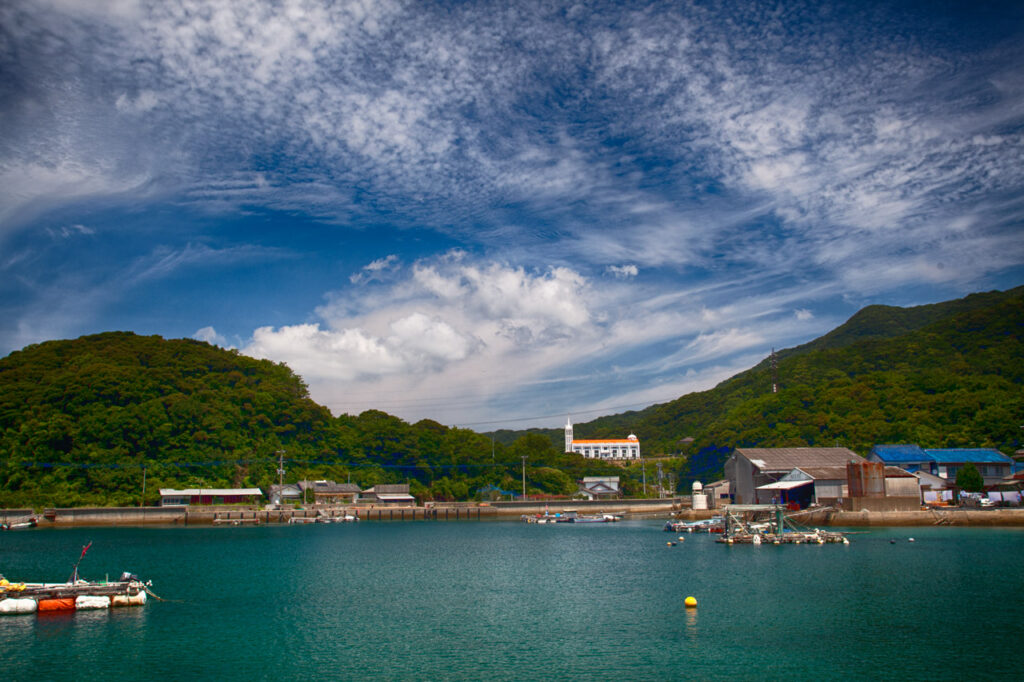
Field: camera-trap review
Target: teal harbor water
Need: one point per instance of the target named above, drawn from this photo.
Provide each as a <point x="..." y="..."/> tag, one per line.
<point x="505" y="600"/>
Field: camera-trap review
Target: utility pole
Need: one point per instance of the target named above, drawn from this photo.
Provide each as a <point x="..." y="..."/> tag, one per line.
<point x="661" y="488"/>
<point x="142" y="502"/>
<point x="643" y="464"/>
<point x="280" y="467"/>
<point x="524" y="477"/>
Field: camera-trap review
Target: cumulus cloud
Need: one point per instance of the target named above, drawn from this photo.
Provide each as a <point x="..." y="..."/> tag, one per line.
<point x="459" y="338"/>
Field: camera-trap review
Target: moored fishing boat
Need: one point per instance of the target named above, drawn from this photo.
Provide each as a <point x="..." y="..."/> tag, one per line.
<point x="570" y="516"/>
<point x="715" y="524"/>
<point x="29" y="522"/>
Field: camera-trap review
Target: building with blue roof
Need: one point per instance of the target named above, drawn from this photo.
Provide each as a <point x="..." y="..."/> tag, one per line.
<point x="992" y="464"/>
<point x="945" y="462"/>
<point x="907" y="457"/>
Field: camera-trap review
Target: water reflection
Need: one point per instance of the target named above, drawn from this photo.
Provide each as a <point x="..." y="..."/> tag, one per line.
<point x="691" y="622"/>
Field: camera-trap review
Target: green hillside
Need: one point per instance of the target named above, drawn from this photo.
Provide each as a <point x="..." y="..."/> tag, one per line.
<point x="82" y="422"/>
<point x="943" y="375"/>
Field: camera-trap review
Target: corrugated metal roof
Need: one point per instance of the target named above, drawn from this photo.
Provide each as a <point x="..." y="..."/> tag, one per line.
<point x="394" y="496"/>
<point x="958" y="455"/>
<point x="900" y="453"/>
<point x="389" y="488"/>
<point x="786" y="459"/>
<point x="825" y="473"/>
<point x="783" y="485"/>
<point x="332" y="487"/>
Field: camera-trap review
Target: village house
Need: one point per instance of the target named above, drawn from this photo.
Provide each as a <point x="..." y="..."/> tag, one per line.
<point x="993" y="465"/>
<point x="599" y="488"/>
<point x="285" y="493"/>
<point x="394" y="494"/>
<point x="331" y="493"/>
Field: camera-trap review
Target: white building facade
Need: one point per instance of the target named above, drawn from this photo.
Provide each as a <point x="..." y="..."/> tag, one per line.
<point x="607" y="448"/>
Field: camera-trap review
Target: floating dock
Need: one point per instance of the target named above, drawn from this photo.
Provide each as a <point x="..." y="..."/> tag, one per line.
<point x="768" y="524"/>
<point x="22" y="598"/>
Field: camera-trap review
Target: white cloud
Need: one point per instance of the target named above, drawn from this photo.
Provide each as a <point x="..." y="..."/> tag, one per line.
<point x="68" y="231"/>
<point x="374" y="270"/>
<point x="210" y="335"/>
<point x="460" y="340"/>
<point x="623" y="271"/>
<point x="803" y="314"/>
<point x="32" y="188"/>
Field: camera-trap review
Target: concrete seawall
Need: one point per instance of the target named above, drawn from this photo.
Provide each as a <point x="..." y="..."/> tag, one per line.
<point x="931" y="517"/>
<point x="240" y="515"/>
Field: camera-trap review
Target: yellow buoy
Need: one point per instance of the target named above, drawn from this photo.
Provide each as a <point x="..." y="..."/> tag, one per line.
<point x="691" y="602"/>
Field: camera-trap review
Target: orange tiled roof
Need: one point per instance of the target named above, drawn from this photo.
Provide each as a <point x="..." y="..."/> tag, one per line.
<point x="610" y="440"/>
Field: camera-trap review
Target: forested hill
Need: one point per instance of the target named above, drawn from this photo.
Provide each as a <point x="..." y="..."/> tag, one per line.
<point x="83" y="422"/>
<point x="944" y="375"/>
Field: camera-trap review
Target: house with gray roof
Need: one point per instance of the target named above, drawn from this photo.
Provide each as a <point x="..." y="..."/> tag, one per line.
<point x="329" y="492"/>
<point x="750" y="468"/>
<point x="599" y="488"/>
<point x="395" y="494"/>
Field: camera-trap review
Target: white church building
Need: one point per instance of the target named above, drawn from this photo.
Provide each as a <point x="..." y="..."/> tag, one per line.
<point x="607" y="448"/>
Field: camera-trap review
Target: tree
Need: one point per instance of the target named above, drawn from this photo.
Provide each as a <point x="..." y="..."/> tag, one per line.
<point x="969" y="479"/>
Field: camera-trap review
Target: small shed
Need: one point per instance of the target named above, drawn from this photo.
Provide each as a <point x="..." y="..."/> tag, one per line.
<point x="717" y="493"/>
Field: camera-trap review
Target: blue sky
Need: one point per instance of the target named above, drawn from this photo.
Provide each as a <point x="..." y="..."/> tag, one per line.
<point x="497" y="213"/>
